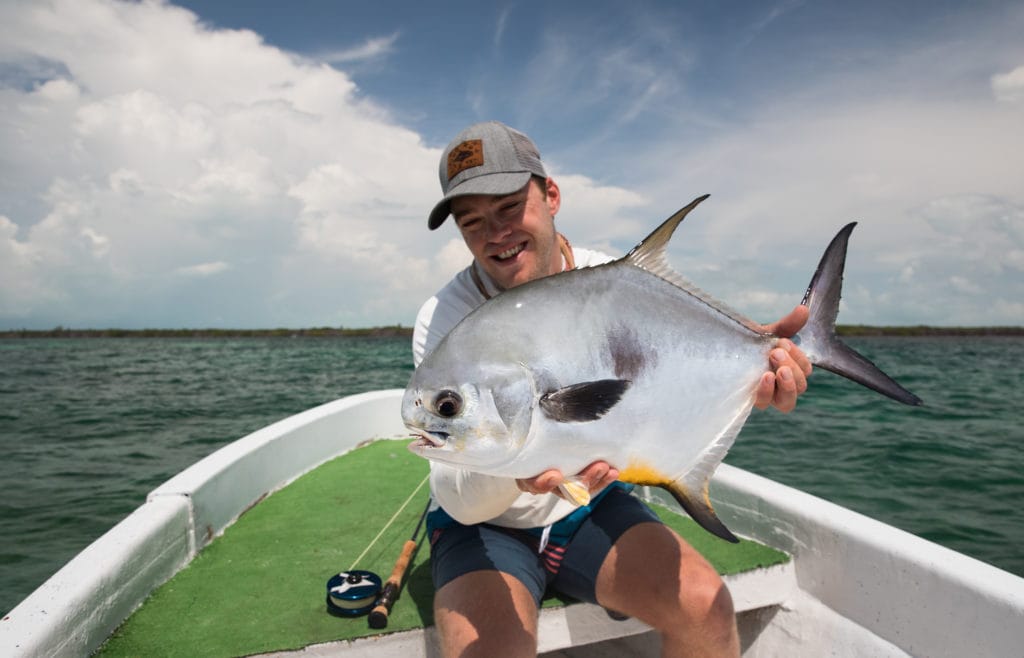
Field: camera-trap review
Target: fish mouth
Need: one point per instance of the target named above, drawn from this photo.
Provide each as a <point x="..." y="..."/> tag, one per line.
<point x="425" y="439"/>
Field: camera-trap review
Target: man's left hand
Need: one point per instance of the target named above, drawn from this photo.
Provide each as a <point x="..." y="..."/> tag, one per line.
<point x="790" y="367"/>
<point x="596" y="476"/>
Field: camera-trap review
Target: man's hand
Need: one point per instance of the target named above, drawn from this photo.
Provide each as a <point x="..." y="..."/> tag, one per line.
<point x="787" y="379"/>
<point x="597" y="476"/>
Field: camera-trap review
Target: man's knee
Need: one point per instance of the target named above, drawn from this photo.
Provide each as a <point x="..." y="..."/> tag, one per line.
<point x="704" y="609"/>
<point x="708" y="590"/>
<point x="695" y="597"/>
<point x="696" y="615"/>
<point x="486" y="613"/>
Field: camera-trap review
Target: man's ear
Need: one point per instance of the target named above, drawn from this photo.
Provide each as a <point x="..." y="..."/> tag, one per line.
<point x="554" y="196"/>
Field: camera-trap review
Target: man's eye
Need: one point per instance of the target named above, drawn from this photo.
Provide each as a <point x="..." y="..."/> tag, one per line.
<point x="470" y="224"/>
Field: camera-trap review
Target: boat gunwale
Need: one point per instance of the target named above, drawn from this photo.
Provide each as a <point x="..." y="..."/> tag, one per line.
<point x="77" y="608"/>
<point x="921" y="597"/>
<point x="841" y="556"/>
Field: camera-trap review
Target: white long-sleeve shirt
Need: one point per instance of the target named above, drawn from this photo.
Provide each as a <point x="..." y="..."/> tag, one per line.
<point x="472" y="497"/>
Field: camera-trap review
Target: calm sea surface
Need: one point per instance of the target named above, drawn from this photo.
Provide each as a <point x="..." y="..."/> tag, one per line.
<point x="89" y="426"/>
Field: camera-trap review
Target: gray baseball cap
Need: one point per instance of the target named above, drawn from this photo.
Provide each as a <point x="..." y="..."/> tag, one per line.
<point x="485" y="158"/>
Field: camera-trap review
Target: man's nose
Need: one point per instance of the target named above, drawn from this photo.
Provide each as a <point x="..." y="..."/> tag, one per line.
<point x="498" y="228"/>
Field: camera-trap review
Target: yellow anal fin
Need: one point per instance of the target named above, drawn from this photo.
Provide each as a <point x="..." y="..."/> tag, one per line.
<point x="698" y="507"/>
<point x="644" y="475"/>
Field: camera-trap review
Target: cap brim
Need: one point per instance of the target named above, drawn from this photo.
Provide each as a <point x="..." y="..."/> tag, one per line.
<point x="502" y="183"/>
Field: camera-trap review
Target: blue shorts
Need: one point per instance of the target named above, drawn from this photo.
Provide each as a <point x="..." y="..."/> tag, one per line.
<point x="569" y="569"/>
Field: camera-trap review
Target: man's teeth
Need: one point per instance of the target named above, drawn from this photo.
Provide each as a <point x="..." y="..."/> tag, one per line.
<point x="511" y="252"/>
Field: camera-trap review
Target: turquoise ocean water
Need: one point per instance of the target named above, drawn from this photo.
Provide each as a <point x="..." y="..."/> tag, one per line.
<point x="89" y="426"/>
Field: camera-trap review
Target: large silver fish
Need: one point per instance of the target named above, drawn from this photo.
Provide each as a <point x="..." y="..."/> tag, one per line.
<point x="625" y="362"/>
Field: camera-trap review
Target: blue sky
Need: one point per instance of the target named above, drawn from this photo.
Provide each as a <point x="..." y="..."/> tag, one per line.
<point x="265" y="164"/>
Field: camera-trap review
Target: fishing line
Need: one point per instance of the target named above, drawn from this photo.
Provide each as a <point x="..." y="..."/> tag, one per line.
<point x="356" y="591"/>
<point x="390" y="522"/>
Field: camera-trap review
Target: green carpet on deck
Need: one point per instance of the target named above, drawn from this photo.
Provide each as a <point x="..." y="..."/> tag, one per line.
<point x="261" y="586"/>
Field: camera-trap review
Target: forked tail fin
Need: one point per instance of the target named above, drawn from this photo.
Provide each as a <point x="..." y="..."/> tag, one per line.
<point x="818" y="338"/>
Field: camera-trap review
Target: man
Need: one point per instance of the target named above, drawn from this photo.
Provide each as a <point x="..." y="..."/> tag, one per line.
<point x="498" y="544"/>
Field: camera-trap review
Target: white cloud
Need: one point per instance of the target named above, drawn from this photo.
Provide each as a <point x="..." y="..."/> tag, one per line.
<point x="965" y="285"/>
<point x="156" y="171"/>
<point x="100" y="244"/>
<point x="935" y="187"/>
<point x="373" y="48"/>
<point x="499" y="29"/>
<point x="833" y="123"/>
<point x="970" y="265"/>
<point x="775" y="12"/>
<point x="597" y="215"/>
<point x="58" y="90"/>
<point x="453" y="258"/>
<point x="203" y="269"/>
<point x="19" y="266"/>
<point x="1009" y="87"/>
<point x="163" y="147"/>
<point x="594" y="72"/>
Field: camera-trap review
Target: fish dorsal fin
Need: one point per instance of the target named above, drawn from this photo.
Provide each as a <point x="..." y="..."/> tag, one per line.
<point x="650" y="253"/>
<point x="649" y="256"/>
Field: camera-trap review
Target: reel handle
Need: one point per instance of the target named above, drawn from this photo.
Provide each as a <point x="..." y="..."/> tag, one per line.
<point x="379" y="615"/>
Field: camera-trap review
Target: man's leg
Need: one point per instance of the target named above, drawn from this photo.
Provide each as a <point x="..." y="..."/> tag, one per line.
<point x="487" y="614"/>
<point x="653" y="575"/>
<point x="489" y="583"/>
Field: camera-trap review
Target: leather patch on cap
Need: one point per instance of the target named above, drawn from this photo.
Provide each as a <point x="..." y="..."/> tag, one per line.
<point x="467" y="154"/>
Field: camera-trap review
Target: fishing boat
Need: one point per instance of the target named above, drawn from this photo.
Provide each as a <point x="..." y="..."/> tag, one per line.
<point x="232" y="557"/>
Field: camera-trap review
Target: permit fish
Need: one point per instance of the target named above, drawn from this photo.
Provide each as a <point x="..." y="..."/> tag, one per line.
<point x="626" y="362"/>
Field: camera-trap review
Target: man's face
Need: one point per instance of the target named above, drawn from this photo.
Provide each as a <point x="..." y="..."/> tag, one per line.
<point x="512" y="237"/>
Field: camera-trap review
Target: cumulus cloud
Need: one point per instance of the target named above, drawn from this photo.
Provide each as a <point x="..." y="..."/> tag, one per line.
<point x="933" y="187"/>
<point x="1009" y="87"/>
<point x="601" y="215"/>
<point x="159" y="172"/>
<point x="145" y="152"/>
<point x="156" y="171"/>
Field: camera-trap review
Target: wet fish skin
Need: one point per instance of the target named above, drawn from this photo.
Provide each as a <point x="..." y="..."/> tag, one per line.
<point x="626" y="362"/>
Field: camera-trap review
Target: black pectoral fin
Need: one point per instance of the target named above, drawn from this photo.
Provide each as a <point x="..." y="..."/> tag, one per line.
<point x="583" y="402"/>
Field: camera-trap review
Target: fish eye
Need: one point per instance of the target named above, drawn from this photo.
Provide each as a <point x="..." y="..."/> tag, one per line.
<point x="448" y="403"/>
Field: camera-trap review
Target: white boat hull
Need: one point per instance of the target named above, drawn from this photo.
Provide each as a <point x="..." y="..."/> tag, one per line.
<point x="855" y="586"/>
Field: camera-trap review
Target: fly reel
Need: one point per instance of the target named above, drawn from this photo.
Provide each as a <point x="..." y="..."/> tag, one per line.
<point x="352" y="593"/>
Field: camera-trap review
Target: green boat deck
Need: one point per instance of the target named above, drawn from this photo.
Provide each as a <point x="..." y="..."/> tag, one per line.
<point x="261" y="586"/>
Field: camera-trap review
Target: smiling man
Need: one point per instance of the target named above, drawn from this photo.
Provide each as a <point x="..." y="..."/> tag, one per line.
<point x="512" y="237"/>
<point x="498" y="544"/>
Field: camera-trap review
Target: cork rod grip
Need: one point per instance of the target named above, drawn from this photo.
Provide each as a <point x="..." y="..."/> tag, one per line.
<point x="379" y="615"/>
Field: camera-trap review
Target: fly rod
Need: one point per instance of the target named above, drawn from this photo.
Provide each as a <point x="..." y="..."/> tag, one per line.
<point x="379" y="615"/>
<point x="355" y="592"/>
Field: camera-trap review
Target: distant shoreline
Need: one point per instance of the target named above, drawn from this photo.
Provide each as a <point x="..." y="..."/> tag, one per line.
<point x="315" y="332"/>
<point x="398" y="331"/>
<point x="922" y="330"/>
